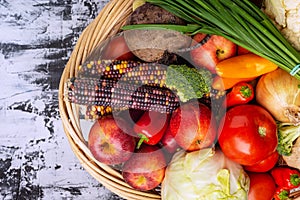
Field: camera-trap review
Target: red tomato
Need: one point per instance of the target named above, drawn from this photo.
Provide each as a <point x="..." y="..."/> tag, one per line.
<point x="117" y="49"/>
<point x="262" y="186"/>
<point x="264" y="165"/>
<point x="248" y="134"/>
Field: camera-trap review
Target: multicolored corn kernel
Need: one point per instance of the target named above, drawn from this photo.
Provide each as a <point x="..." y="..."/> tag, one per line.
<point x="99" y="68"/>
<point x="96" y="111"/>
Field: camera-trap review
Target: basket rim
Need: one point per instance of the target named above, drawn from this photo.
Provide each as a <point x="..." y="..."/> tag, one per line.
<point x="106" y="24"/>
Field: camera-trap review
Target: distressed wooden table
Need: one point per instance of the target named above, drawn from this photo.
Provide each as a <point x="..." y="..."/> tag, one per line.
<point x="36" y="161"/>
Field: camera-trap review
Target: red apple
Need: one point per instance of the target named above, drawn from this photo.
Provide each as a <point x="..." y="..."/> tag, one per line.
<point x="145" y="170"/>
<point x="193" y="126"/>
<point x="215" y="49"/>
<point x="108" y="143"/>
<point x="117" y="49"/>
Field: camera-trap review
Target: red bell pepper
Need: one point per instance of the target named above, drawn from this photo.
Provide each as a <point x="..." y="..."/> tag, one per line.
<point x="241" y="93"/>
<point x="286" y="177"/>
<point x="151" y="127"/>
<point x="281" y="194"/>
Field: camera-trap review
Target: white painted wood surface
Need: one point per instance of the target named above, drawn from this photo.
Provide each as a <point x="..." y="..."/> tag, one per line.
<point x="36" y="161"/>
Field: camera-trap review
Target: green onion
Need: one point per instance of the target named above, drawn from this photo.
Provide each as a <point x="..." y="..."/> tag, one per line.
<point x="180" y="28"/>
<point x="240" y="21"/>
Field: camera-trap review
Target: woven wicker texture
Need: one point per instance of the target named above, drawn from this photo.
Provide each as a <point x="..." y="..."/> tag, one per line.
<point x="107" y="24"/>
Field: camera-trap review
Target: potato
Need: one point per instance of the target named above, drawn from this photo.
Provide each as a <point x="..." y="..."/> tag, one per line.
<point x="150" y="45"/>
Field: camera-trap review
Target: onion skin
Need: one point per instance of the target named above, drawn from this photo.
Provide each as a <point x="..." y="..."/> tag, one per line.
<point x="279" y="93"/>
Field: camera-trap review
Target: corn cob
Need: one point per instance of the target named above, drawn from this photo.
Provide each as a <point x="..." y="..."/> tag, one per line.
<point x="119" y="95"/>
<point x="131" y="71"/>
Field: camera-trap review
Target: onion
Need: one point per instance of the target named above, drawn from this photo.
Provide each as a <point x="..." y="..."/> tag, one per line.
<point x="278" y="92"/>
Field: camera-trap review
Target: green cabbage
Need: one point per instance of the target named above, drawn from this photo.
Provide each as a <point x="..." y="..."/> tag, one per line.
<point x="205" y="174"/>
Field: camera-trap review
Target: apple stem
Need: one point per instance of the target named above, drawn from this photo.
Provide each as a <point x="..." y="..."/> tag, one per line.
<point x="141" y="140"/>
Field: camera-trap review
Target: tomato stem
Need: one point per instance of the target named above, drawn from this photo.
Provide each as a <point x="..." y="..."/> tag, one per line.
<point x="262" y="131"/>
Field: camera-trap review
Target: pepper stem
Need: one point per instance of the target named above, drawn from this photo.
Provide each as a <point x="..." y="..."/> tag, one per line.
<point x="284" y="194"/>
<point x="141" y="140"/>
<point x="295" y="179"/>
<point x="246" y="91"/>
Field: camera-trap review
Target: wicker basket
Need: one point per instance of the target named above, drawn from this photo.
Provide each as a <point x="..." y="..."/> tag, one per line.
<point x="107" y="24"/>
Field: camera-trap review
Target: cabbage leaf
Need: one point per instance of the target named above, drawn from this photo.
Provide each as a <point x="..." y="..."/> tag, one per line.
<point x="204" y="174"/>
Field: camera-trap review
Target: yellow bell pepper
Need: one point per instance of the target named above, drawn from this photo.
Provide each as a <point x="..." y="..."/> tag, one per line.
<point x="244" y="66"/>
